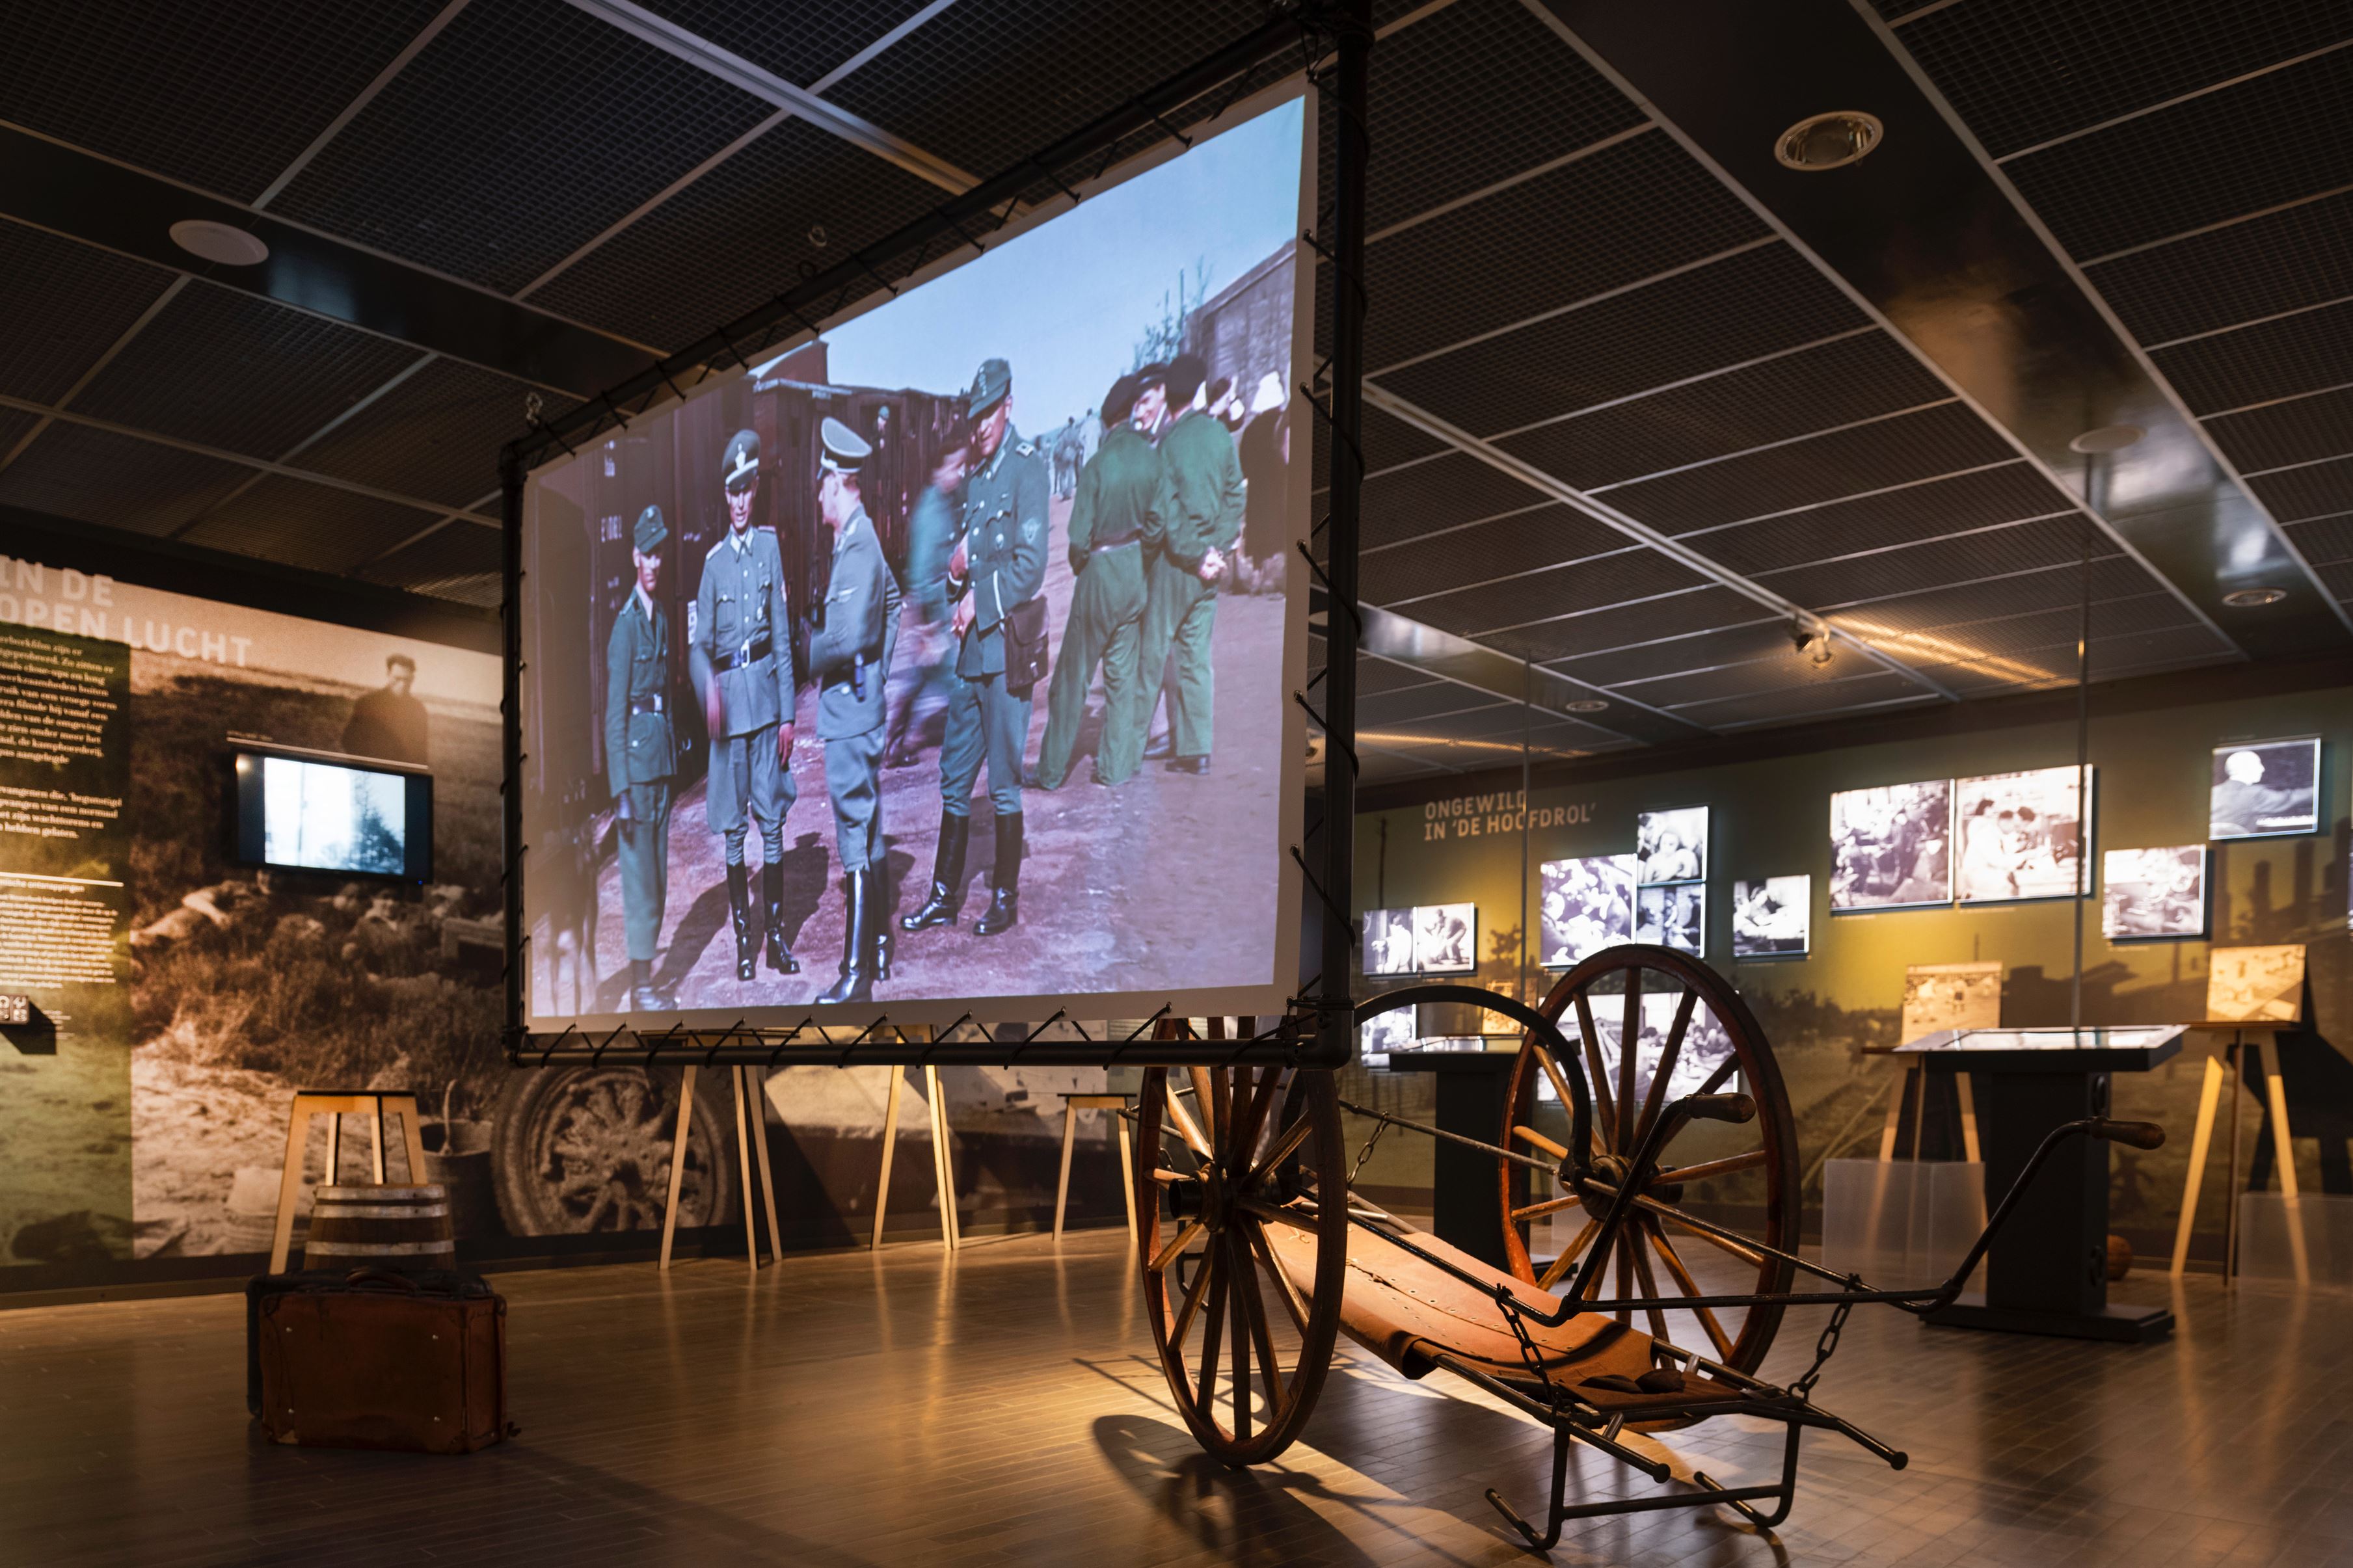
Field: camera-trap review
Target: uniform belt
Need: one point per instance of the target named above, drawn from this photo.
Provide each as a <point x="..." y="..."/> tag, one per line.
<point x="1115" y="543"/>
<point x="650" y="705"/>
<point x="752" y="652"/>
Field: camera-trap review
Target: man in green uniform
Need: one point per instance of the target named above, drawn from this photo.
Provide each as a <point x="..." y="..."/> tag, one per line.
<point x="849" y="657"/>
<point x="998" y="567"/>
<point x="1198" y="521"/>
<point x="641" y="753"/>
<point x="1116" y="490"/>
<point x="741" y="658"/>
<point x="931" y="535"/>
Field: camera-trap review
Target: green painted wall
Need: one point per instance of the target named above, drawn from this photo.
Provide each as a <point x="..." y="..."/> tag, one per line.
<point x="1770" y="817"/>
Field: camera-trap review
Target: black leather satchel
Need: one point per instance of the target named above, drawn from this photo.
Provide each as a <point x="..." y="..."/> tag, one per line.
<point x="1026" y="657"/>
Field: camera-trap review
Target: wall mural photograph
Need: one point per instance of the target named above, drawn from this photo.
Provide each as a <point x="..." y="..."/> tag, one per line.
<point x="1388" y="941"/>
<point x="2266" y="788"/>
<point x="1890" y="846"/>
<point x="1771" y="916"/>
<point x="2022" y="836"/>
<point x="2149" y="893"/>
<point x="1671" y="846"/>
<point x="1673" y="915"/>
<point x="1446" y="939"/>
<point x="1587" y="905"/>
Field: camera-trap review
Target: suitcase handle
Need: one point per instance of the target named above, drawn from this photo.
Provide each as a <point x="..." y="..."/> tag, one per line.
<point x="380" y="1276"/>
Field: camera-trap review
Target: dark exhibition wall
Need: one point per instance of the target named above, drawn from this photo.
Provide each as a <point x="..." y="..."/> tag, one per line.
<point x="1837" y="988"/>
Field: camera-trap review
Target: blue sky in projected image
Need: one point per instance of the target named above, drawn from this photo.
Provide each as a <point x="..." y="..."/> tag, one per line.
<point x="1065" y="303"/>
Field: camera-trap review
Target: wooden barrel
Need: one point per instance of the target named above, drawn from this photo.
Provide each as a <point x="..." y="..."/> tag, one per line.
<point x="403" y="1228"/>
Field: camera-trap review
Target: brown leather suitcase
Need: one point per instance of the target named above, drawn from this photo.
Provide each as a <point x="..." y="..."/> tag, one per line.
<point x="371" y="1359"/>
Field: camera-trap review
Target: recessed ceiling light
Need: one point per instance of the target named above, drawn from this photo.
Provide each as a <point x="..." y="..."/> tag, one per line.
<point x="1584" y="705"/>
<point x="2253" y="598"/>
<point x="217" y="242"/>
<point x="2107" y="438"/>
<point x="1830" y="141"/>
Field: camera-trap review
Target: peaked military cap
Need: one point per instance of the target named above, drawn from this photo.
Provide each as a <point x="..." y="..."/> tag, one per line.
<point x="846" y="451"/>
<point x="989" y="387"/>
<point x="651" y="530"/>
<point x="1151" y="375"/>
<point x="741" y="463"/>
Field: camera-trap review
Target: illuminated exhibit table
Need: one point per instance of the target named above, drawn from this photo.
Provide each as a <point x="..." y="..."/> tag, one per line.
<point x="2047" y="1270"/>
<point x="1471" y="1090"/>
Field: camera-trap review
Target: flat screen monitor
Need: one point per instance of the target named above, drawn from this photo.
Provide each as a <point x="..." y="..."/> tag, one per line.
<point x="315" y="815"/>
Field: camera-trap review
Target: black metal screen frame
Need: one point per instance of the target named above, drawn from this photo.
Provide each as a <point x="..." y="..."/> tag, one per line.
<point x="1332" y="42"/>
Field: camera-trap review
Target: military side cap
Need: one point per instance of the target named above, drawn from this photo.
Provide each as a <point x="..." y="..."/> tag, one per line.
<point x="846" y="451"/>
<point x="741" y="463"/>
<point x="1151" y="375"/>
<point x="1120" y="401"/>
<point x="989" y="387"/>
<point x="651" y="530"/>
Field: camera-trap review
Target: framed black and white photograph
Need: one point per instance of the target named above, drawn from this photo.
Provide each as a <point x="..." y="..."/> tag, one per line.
<point x="1388" y="941"/>
<point x="1671" y="846"/>
<point x="2265" y="789"/>
<point x="1891" y="845"/>
<point x="1376" y="1037"/>
<point x="2153" y="892"/>
<point x="2022" y="836"/>
<point x="1587" y="905"/>
<point x="1446" y="939"/>
<point x="1771" y="917"/>
<point x="1673" y="915"/>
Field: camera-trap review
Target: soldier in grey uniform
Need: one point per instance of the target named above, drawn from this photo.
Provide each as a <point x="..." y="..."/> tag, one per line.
<point x="641" y="753"/>
<point x="849" y="658"/>
<point x="742" y="659"/>
<point x="999" y="565"/>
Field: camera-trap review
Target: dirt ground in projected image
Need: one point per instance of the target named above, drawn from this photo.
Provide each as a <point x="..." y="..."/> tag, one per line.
<point x="1105" y="932"/>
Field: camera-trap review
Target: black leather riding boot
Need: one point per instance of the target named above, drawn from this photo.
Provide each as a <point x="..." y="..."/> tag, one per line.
<point x="858" y="921"/>
<point x="739" y="908"/>
<point x="947" y="876"/>
<point x="643" y="997"/>
<point x="772" y="897"/>
<point x="1004" y="879"/>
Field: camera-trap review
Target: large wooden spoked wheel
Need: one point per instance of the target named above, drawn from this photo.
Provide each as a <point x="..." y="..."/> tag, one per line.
<point x="1227" y="1155"/>
<point x="1741" y="1177"/>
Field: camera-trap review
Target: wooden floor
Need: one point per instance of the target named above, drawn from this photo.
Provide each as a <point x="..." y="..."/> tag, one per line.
<point x="1002" y="1408"/>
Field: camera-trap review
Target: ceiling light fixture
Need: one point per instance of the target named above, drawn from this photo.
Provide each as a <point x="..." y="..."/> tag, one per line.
<point x="1584" y="705"/>
<point x="2253" y="598"/>
<point x="2107" y="438"/>
<point x="1831" y="140"/>
<point x="217" y="242"/>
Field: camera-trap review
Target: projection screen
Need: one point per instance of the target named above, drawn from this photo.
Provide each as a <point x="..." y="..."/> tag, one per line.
<point x="783" y="696"/>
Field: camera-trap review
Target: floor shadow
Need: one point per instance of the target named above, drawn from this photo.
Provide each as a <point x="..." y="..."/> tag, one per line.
<point x="1243" y="1516"/>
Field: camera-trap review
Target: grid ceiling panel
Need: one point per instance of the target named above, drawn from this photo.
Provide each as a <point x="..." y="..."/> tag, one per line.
<point x="1377" y="676"/>
<point x="1831" y="383"/>
<point x="2324" y="538"/>
<point x="2281" y="261"/>
<point x="800" y="42"/>
<point x="2324" y="490"/>
<point x="229" y="369"/>
<point x="2021" y="71"/>
<point x="436" y="436"/>
<point x="1756" y="303"/>
<point x="1386" y="440"/>
<point x="517" y="135"/>
<point x="1972" y="612"/>
<point x="2053" y="662"/>
<point x="2286" y="433"/>
<point x="1582" y="586"/>
<point x="15" y="423"/>
<point x="1860" y="579"/>
<point x="1940" y="440"/>
<point x="1387" y="710"/>
<point x="1797" y="703"/>
<point x="1455" y="488"/>
<point x="985" y="85"/>
<point x="1624" y="214"/>
<point x="729" y="240"/>
<point x="147" y="488"/>
<point x="65" y="305"/>
<point x="1784" y="669"/>
<point x="1381" y="764"/>
<point x="314" y="527"/>
<point x="1932" y="511"/>
<point x="1495" y="721"/>
<point x="2189" y="165"/>
<point x="2273" y="358"/>
<point x="223" y="95"/>
<point x="458" y="561"/>
<point x="2337" y="577"/>
<point x="1544" y="537"/>
<point x="1704" y="609"/>
<point x="1704" y="650"/>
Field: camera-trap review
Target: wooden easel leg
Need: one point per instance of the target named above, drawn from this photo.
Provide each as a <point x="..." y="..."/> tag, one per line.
<point x="290" y="1188"/>
<point x="757" y="1087"/>
<point x="744" y="1176"/>
<point x="1968" y="1117"/>
<point x="2284" y="1155"/>
<point x="1895" y="1112"/>
<point x="413" y="1141"/>
<point x="2231" y="1204"/>
<point x="376" y="1148"/>
<point x="1919" y="1110"/>
<point x="1062" y="1185"/>
<point x="334" y="1148"/>
<point x="2201" y="1141"/>
<point x="1127" y="1169"/>
<point x="678" y="1162"/>
<point x="943" y="1161"/>
<point x="890" y="1142"/>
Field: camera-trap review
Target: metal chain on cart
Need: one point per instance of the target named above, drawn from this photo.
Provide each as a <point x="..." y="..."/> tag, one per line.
<point x="1825" y="1347"/>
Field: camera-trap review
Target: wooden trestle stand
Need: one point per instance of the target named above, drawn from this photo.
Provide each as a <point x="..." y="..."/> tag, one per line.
<point x="2202" y="1139"/>
<point x="751" y="1140"/>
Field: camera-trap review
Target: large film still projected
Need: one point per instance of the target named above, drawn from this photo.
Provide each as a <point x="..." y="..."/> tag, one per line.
<point x="939" y="664"/>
